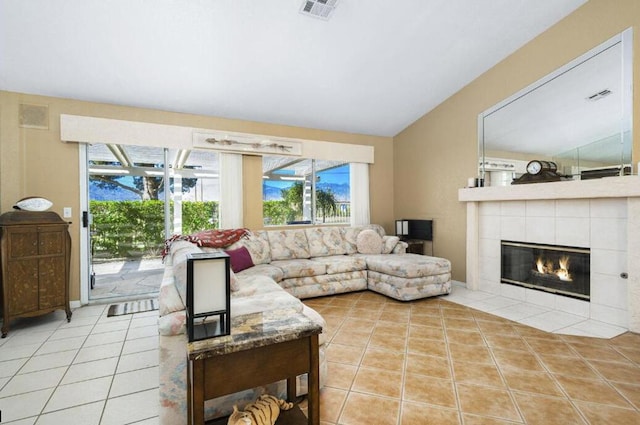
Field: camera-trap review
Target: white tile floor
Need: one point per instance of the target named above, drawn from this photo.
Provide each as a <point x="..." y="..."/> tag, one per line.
<point x="93" y="370"/>
<point x="532" y="314"/>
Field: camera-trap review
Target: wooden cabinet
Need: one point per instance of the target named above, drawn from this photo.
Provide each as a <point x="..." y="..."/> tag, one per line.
<point x="35" y="250"/>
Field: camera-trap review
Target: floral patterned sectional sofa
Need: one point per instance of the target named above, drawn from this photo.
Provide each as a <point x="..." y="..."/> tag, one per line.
<point x="275" y="269"/>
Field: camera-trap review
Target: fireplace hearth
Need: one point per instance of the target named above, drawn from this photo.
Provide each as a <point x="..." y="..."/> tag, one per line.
<point x="562" y="270"/>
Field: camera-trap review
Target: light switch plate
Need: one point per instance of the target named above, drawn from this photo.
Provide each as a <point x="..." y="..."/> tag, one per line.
<point x="66" y="212"/>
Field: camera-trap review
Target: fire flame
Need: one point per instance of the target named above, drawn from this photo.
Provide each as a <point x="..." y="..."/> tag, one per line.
<point x="563" y="272"/>
<point x="547" y="267"/>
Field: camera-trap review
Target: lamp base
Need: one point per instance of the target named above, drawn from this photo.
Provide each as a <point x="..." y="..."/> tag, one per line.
<point x="204" y="328"/>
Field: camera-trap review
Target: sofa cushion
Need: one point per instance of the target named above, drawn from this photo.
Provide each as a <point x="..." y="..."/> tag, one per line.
<point x="408" y="265"/>
<point x="350" y="236"/>
<point x="369" y="242"/>
<point x="265" y="301"/>
<point x="273" y="272"/>
<point x="317" y="318"/>
<point x="288" y="244"/>
<point x="325" y="241"/>
<point x="326" y="284"/>
<point x="255" y="284"/>
<point x="405" y="289"/>
<point x="389" y="243"/>
<point x="258" y="245"/>
<point x="240" y="259"/>
<point x="342" y="263"/>
<point x="300" y="268"/>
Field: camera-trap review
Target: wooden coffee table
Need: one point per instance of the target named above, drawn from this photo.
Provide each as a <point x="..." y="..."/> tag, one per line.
<point x="263" y="348"/>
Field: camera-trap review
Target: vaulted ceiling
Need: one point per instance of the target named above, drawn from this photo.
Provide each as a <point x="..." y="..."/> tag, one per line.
<point x="373" y="68"/>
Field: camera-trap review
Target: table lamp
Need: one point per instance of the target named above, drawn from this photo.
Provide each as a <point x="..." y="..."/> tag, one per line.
<point x="208" y="295"/>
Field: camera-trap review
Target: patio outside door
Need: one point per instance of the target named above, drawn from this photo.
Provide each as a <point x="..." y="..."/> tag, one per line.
<point x="131" y="211"/>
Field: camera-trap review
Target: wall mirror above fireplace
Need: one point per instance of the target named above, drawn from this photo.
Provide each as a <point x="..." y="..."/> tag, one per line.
<point x="579" y="116"/>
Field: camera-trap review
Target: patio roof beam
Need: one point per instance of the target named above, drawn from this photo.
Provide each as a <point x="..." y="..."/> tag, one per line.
<point x="120" y="154"/>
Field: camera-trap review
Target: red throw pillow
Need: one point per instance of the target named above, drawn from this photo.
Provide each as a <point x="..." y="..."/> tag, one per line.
<point x="240" y="259"/>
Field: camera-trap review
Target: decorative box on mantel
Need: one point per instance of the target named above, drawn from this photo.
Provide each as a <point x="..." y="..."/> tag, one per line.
<point x="602" y="215"/>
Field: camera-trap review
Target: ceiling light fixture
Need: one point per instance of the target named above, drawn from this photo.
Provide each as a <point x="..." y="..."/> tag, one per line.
<point x="321" y="9"/>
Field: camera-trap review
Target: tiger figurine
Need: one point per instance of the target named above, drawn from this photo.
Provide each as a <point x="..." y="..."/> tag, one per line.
<point x="264" y="411"/>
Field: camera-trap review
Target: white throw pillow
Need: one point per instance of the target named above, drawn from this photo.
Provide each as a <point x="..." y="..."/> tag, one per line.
<point x="369" y="242"/>
<point x="388" y="243"/>
<point x="33" y="203"/>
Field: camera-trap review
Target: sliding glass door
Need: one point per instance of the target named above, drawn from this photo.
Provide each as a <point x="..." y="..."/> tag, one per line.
<point x="138" y="196"/>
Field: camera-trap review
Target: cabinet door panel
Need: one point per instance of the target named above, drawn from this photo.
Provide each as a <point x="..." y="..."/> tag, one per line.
<point x="23" y="286"/>
<point x="23" y="243"/>
<point x="51" y="242"/>
<point x="52" y="282"/>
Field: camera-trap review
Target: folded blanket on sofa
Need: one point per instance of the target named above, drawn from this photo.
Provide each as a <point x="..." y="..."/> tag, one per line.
<point x="212" y="238"/>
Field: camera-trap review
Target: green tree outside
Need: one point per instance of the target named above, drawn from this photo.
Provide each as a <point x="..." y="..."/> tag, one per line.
<point x="290" y="208"/>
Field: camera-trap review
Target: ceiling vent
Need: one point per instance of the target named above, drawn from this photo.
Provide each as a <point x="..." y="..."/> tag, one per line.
<point x="321" y="9"/>
<point x="599" y="95"/>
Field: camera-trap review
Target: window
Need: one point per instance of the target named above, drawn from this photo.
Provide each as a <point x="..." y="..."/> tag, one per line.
<point x="305" y="191"/>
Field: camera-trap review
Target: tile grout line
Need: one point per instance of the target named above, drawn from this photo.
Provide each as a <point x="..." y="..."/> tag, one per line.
<point x="554" y="378"/>
<point x="115" y="370"/>
<point x="68" y="367"/>
<point x="450" y="360"/>
<point x="51" y="332"/>
<point x="604" y="378"/>
<point x="500" y="372"/>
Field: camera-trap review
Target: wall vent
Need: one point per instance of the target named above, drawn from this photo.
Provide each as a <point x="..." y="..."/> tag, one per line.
<point x="599" y="95"/>
<point x="321" y="9"/>
<point x="33" y="116"/>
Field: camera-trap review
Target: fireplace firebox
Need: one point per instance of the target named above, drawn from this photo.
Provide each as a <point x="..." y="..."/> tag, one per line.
<point x="558" y="269"/>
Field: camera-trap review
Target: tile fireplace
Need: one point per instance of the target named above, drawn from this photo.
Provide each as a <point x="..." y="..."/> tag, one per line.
<point x="556" y="269"/>
<point x="601" y="215"/>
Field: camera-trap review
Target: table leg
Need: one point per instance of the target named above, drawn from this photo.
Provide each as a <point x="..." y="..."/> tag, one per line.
<point x="195" y="392"/>
<point x="314" y="381"/>
<point x="292" y="387"/>
<point x="189" y="400"/>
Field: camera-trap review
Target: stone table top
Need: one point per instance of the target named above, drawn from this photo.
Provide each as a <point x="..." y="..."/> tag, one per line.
<point x="256" y="330"/>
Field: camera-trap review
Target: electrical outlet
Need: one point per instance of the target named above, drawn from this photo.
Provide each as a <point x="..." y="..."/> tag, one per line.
<point x="66" y="212"/>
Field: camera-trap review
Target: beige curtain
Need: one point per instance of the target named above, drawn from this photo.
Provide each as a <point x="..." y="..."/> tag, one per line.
<point x="231" y="191"/>
<point x="359" y="181"/>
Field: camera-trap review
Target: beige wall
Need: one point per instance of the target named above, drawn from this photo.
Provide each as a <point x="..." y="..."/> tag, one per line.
<point x="435" y="155"/>
<point x="35" y="162"/>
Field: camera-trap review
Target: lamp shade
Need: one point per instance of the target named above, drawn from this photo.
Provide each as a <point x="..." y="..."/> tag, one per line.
<point x="208" y="295"/>
<point x="402" y="227"/>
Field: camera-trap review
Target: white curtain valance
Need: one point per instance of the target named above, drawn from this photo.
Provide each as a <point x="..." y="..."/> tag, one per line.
<point x="81" y="129"/>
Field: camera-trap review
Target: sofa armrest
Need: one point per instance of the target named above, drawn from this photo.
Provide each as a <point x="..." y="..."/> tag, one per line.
<point x="400" y="248"/>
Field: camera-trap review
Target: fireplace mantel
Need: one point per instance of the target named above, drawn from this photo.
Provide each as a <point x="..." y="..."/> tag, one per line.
<point x="597" y="190"/>
<point x="609" y="187"/>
